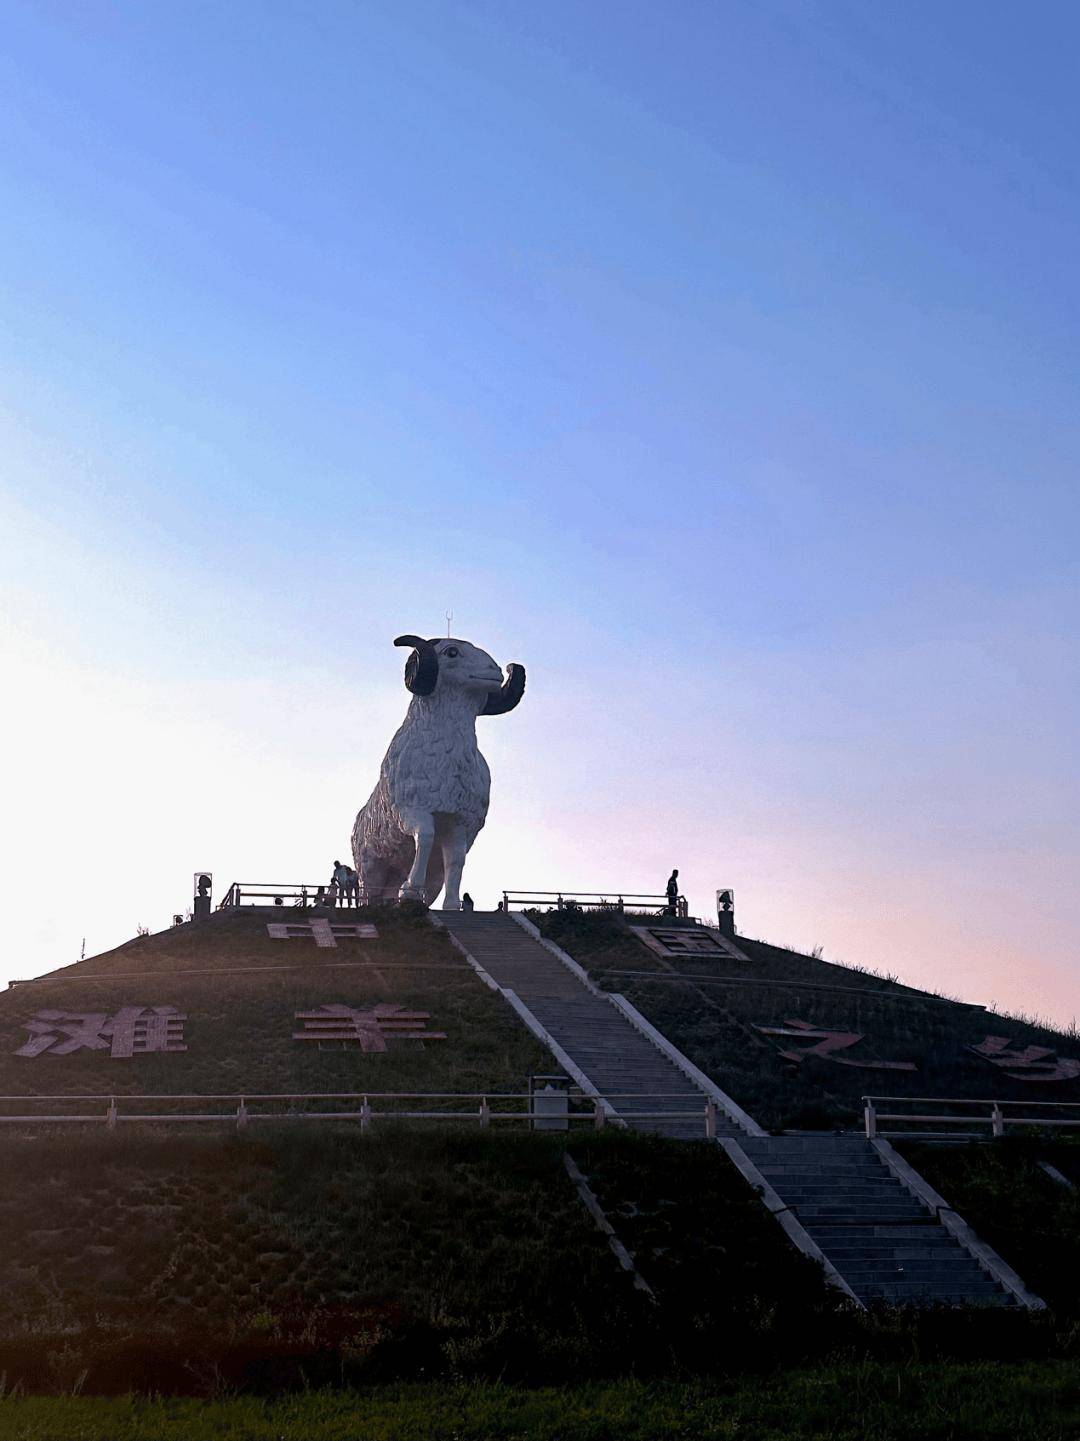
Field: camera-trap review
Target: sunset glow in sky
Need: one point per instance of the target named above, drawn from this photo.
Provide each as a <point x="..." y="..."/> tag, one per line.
<point x="718" y="362"/>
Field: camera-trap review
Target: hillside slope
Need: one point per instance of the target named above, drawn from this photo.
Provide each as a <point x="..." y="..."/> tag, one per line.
<point x="240" y="990"/>
<point x="724" y="1012"/>
<point x="163" y="1259"/>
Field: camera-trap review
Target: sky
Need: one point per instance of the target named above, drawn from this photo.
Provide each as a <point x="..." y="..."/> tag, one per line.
<point x="716" y="361"/>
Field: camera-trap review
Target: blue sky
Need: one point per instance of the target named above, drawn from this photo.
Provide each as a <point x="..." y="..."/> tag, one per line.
<point x="717" y="361"/>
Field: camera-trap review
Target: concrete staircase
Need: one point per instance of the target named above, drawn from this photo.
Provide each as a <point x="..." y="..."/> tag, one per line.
<point x="885" y="1243"/>
<point x="611" y="1053"/>
<point x="882" y="1234"/>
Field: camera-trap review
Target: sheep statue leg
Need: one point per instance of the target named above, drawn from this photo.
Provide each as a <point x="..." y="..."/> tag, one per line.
<point x="454" y="848"/>
<point x="421" y="826"/>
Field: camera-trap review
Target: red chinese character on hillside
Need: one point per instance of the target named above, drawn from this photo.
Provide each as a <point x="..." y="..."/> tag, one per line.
<point x="369" y="1028"/>
<point x="828" y="1043"/>
<point x="1033" y="1063"/>
<point x="132" y="1031"/>
<point x="323" y="932"/>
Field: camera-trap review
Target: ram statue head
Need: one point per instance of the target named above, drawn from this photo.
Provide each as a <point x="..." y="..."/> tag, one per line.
<point x="444" y="663"/>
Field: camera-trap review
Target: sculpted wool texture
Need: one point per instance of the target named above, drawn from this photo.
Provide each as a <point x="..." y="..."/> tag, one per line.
<point x="431" y="800"/>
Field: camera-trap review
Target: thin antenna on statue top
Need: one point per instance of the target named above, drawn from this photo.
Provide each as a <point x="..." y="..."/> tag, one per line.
<point x="449" y="618"/>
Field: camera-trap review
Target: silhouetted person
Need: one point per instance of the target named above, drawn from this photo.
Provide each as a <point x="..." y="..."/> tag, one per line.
<point x="467" y="902"/>
<point x="352" y="887"/>
<point x="673" y="893"/>
<point x="332" y="894"/>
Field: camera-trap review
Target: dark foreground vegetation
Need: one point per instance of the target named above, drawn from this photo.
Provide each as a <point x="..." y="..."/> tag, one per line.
<point x="177" y="1263"/>
<point x="1030" y="1219"/>
<point x="893" y="1402"/>
<point x="195" y="1264"/>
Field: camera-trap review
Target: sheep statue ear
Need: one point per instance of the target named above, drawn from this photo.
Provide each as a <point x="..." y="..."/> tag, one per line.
<point x="508" y="696"/>
<point x="422" y="667"/>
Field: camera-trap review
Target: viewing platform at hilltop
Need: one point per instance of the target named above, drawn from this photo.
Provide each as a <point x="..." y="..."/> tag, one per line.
<point x="268" y="895"/>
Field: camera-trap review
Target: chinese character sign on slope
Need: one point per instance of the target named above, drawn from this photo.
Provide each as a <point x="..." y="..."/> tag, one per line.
<point x="1032" y="1063"/>
<point x="369" y="1028"/>
<point x="826" y="1044"/>
<point x="132" y="1031"/>
<point x="675" y="941"/>
<point x="324" y="933"/>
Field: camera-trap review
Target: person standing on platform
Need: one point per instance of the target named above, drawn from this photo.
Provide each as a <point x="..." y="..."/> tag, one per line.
<point x="673" y="894"/>
<point x="467" y="903"/>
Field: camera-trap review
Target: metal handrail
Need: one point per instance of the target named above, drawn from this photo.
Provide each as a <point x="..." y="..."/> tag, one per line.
<point x="968" y="1101"/>
<point x="996" y="1118"/>
<point x="339" y="1096"/>
<point x="295" y="891"/>
<point x="611" y="900"/>
<point x="574" y="895"/>
<point x="594" y="1112"/>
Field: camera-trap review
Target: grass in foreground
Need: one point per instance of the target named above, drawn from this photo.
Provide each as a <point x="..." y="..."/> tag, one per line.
<point x="1014" y="1402"/>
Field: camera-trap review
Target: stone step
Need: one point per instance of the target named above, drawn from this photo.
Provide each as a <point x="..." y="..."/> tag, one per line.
<point x="823" y="1227"/>
<point x="901" y="1254"/>
<point x="942" y="1263"/>
<point x="798" y="1147"/>
<point x="824" y="1166"/>
<point x="875" y="1186"/>
<point x="888" y="1203"/>
<point x="853" y="1201"/>
<point x="913" y="1292"/>
<point x="860" y="1181"/>
<point x="973" y="1283"/>
<point x="827" y="1164"/>
<point x="898" y="1232"/>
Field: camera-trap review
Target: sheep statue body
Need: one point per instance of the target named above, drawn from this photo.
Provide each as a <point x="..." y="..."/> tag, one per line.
<point x="432" y="797"/>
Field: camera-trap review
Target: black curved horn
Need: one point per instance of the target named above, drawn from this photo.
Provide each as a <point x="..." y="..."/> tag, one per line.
<point x="508" y="696"/>
<point x="422" y="667"/>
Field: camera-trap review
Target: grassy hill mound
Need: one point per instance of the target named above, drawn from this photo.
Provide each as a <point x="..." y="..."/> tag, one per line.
<point x="240" y="991"/>
<point x="188" y="1260"/>
<point x="712" y="1007"/>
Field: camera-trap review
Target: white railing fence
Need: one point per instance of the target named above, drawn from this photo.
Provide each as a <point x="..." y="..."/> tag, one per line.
<point x="975" y="1116"/>
<point x="533" y="1109"/>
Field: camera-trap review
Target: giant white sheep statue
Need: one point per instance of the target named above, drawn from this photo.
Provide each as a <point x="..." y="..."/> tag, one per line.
<point x="432" y="797"/>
